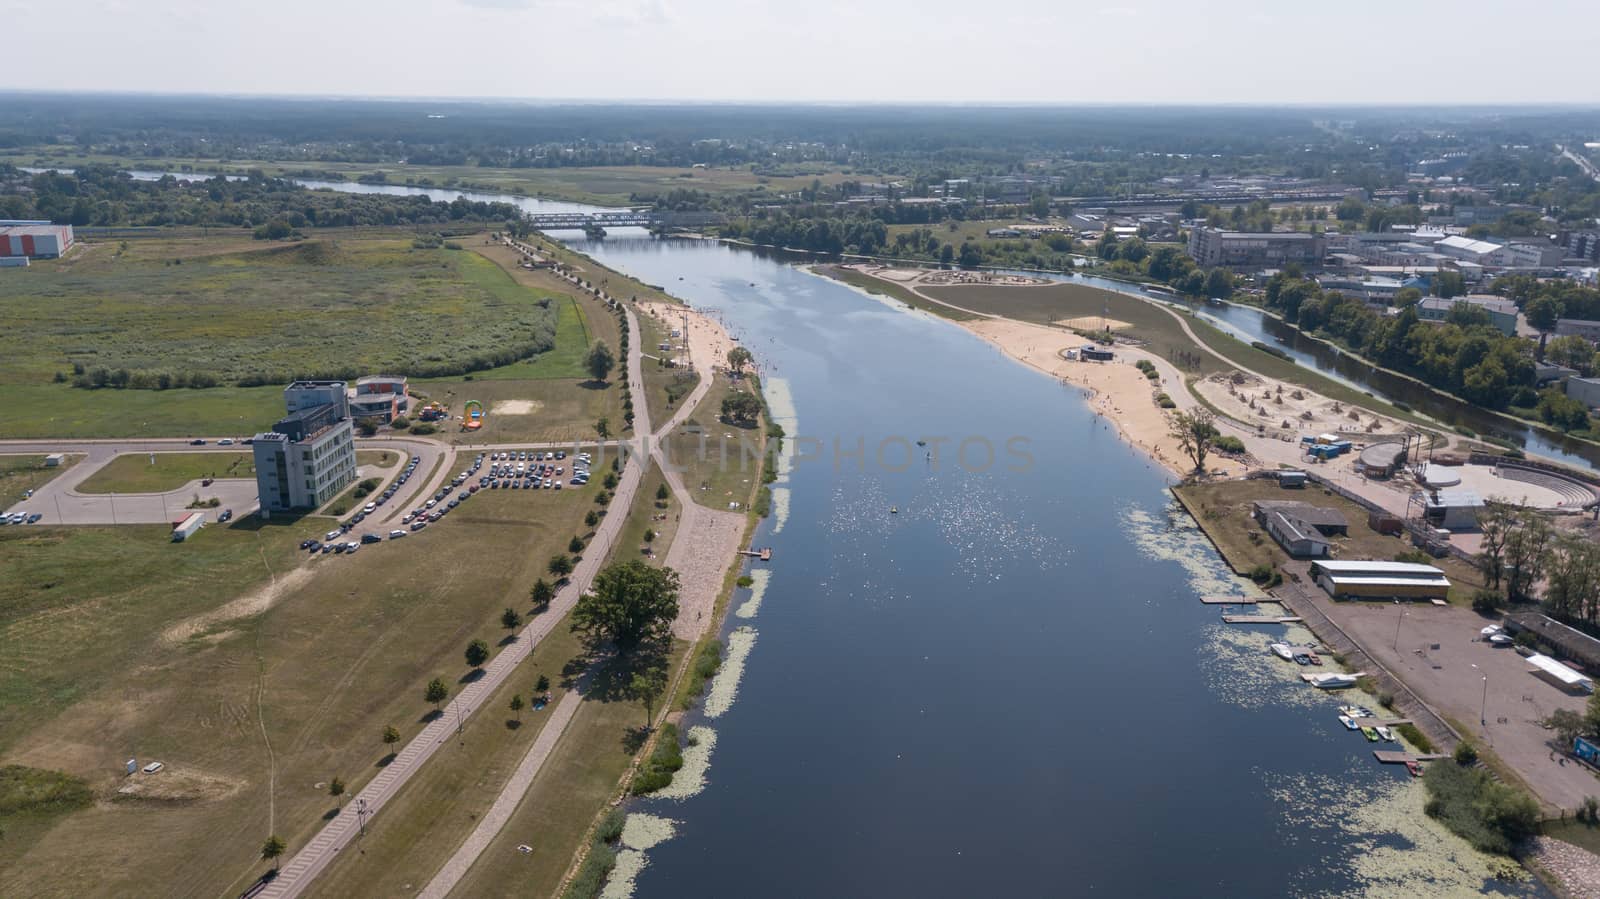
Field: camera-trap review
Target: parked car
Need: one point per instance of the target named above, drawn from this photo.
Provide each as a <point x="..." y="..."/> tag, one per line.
<point x="369" y="508"/>
<point x="226" y="515"/>
<point x="371" y="538"/>
<point x="226" y="441"/>
<point x="197" y="442"/>
<point x="418" y="525"/>
<point x="332" y="536"/>
<point x="396" y="534"/>
<point x="34" y="518"/>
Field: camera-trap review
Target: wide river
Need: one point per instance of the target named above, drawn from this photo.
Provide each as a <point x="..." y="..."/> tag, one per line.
<point x="980" y="667"/>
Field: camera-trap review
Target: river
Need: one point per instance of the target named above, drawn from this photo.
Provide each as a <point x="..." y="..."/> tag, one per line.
<point x="988" y="673"/>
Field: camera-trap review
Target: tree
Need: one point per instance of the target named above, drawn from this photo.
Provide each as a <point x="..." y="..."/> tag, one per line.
<point x="649" y="535"/>
<point x="542" y="593"/>
<point x="610" y="481"/>
<point x="542" y="684"/>
<point x="1542" y="313"/>
<point x="516" y="705"/>
<point x="436" y="692"/>
<point x="646" y="686"/>
<point x="510" y="619"/>
<point x="336" y="790"/>
<point x="1527" y="551"/>
<point x="738" y="358"/>
<point x="1572" y="351"/>
<point x="738" y="407"/>
<point x="1194" y="432"/>
<point x="575" y="545"/>
<point x="477" y="653"/>
<point x="272" y="850"/>
<point x="591" y="519"/>
<point x="1465" y="754"/>
<point x="603" y="428"/>
<point x="1219" y="284"/>
<point x="390" y="735"/>
<point x="662" y="493"/>
<point x="599" y="362"/>
<point x="1567" y="724"/>
<point x="367" y="426"/>
<point x="630" y="604"/>
<point x="560" y="566"/>
<point x="1494" y="524"/>
<point x="1591" y="716"/>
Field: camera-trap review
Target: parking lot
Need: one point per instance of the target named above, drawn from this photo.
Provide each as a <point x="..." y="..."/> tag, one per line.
<point x="525" y="470"/>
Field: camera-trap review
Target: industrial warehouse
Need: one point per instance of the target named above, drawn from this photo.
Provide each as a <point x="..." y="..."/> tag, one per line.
<point x="1380" y="580"/>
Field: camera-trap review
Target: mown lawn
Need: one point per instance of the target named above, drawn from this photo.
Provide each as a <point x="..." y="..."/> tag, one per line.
<point x="721" y="462"/>
<point x="137" y="473"/>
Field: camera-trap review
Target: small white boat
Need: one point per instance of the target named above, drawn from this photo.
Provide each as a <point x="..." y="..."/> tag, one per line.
<point x="1330" y="681"/>
<point x="1386" y="733"/>
<point x="1348" y="722"/>
<point x="1282" y="650"/>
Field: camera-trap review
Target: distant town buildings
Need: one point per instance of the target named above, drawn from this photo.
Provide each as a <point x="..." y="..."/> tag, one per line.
<point x="1211" y="247"/>
<point x="309" y="455"/>
<point x="1501" y="311"/>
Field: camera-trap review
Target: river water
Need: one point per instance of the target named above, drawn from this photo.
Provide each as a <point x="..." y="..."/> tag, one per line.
<point x="988" y="673"/>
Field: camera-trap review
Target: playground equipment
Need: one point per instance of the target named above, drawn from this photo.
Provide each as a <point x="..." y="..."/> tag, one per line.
<point x="433" y="412"/>
<point x="472" y="415"/>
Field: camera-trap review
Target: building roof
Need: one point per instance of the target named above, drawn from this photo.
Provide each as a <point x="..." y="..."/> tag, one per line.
<point x="1455" y="499"/>
<point x="1298" y="528"/>
<point x="1568" y="641"/>
<point x="1468" y="245"/>
<point x="45" y="230"/>
<point x="1276" y="235"/>
<point x="380" y="379"/>
<point x="1352" y="580"/>
<point x="1559" y="671"/>
<point x="1370" y="567"/>
<point x="1488" y="304"/>
<point x="1316" y="516"/>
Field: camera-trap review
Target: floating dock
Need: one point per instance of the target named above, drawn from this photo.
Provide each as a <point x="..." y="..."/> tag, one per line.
<point x="1392" y="757"/>
<point x="1261" y="619"/>
<point x="1382" y="722"/>
<point x="764" y="553"/>
<point x="1233" y="600"/>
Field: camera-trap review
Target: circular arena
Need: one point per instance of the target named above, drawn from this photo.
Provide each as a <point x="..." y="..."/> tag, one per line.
<point x="1521" y="486"/>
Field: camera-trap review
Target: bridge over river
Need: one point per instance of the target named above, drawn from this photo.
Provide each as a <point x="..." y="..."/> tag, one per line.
<point x="621" y="218"/>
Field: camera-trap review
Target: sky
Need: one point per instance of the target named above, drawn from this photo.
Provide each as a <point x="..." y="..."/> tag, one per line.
<point x="939" y="51"/>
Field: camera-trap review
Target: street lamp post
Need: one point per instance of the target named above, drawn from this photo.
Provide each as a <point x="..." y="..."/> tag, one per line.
<point x="1483" y="717"/>
<point x="361" y="815"/>
<point x="1397" y="622"/>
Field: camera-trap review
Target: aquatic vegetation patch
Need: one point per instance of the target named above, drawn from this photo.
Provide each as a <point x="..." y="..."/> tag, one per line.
<point x="645" y="831"/>
<point x="779" y="499"/>
<point x="623" y="879"/>
<point x="1173" y="536"/>
<point x="725" y="686"/>
<point x="758" y="589"/>
<point x="1377" y="835"/>
<point x="657" y="770"/>
<point x="691" y="778"/>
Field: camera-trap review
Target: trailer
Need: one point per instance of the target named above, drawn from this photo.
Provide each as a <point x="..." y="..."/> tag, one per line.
<point x="185" y="528"/>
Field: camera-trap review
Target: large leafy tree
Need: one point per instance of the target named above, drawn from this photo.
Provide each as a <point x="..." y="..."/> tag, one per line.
<point x="1194" y="432"/>
<point x="630" y="604"/>
<point x="600" y="361"/>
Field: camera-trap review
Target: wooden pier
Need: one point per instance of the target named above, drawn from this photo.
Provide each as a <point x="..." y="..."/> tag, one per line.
<point x="764" y="553"/>
<point x="1234" y="600"/>
<point x="1392" y="757"/>
<point x="1381" y="722"/>
<point x="1261" y="619"/>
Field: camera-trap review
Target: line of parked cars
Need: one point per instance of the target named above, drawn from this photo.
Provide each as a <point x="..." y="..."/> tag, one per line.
<point x="21" y="518"/>
<point x="515" y="470"/>
<point x="337" y="541"/>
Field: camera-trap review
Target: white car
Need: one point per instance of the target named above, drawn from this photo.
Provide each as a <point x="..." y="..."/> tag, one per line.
<point x="226" y="441"/>
<point x="370" y="508"/>
<point x="332" y="536"/>
<point x="396" y="534"/>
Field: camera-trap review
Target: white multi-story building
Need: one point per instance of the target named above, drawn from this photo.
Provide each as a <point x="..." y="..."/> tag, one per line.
<point x="310" y="454"/>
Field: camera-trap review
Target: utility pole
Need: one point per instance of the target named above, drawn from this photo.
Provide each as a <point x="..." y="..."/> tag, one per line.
<point x="361" y="815"/>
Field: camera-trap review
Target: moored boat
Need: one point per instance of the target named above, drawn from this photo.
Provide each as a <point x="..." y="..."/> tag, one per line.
<point x="1370" y="734"/>
<point x="1348" y="722"/>
<point x="1282" y="651"/>
<point x="1331" y="681"/>
<point x="1385" y="733"/>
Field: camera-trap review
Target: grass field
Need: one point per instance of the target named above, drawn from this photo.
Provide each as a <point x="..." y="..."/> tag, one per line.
<point x="249" y="714"/>
<point x="134" y="472"/>
<point x="1223" y="510"/>
<point x="58" y="410"/>
<point x="721" y="463"/>
<point x="19" y="474"/>
<point x="600" y="185"/>
<point x="880" y="287"/>
<point x="378" y="306"/>
<point x="420" y="829"/>
<point x="658" y="378"/>
<point x="630" y="543"/>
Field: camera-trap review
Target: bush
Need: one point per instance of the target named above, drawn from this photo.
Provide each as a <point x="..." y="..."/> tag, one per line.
<point x="610" y="827"/>
<point x="1414" y="555"/>
<point x="1165" y="401"/>
<point x="591" y="875"/>
<point x="1465" y="754"/>
<point x="706" y="663"/>
<point x="423" y="427"/>
<point x="657" y="771"/>
<point x="1261" y="573"/>
<point x="1487" y="602"/>
<point x="1492" y="816"/>
<point x="1271" y="350"/>
<point x="400" y="423"/>
<point x="1228" y="443"/>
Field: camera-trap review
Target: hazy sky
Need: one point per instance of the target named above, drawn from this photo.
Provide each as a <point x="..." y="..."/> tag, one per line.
<point x="1033" y="51"/>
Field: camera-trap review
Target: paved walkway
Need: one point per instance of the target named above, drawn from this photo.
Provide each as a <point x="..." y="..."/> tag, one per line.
<point x="510" y="797"/>
<point x="335" y="836"/>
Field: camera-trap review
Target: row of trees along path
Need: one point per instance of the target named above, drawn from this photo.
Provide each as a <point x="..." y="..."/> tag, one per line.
<point x="338" y="833"/>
